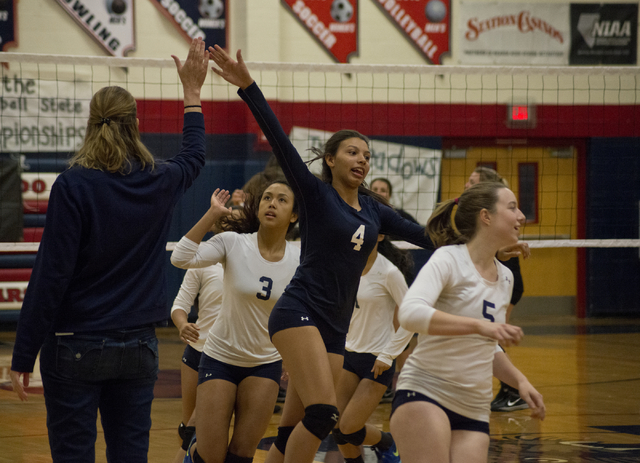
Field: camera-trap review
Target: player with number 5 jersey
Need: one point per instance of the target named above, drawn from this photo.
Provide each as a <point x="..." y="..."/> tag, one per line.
<point x="240" y="369"/>
<point x="457" y="304"/>
<point x="340" y="220"/>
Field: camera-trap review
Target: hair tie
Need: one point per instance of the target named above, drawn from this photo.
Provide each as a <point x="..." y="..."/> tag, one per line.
<point x="456" y="200"/>
<point x="105" y="120"/>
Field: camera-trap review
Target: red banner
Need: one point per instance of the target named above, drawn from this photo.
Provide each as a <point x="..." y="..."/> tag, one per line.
<point x="425" y="23"/>
<point x="334" y="24"/>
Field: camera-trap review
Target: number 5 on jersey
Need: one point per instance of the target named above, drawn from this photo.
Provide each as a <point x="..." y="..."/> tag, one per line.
<point x="358" y="238"/>
<point x="486" y="305"/>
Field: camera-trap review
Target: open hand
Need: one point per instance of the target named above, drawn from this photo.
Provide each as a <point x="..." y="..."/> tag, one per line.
<point x="218" y="200"/>
<point x="194" y="70"/>
<point x="234" y="72"/>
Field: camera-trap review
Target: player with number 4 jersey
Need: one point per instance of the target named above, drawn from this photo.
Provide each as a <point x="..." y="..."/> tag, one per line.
<point x="340" y="220"/>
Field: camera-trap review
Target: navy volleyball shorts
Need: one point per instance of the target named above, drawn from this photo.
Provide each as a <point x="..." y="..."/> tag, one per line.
<point x="457" y="421"/>
<point x="191" y="357"/>
<point x="211" y="368"/>
<point x="291" y="313"/>
<point x="361" y="364"/>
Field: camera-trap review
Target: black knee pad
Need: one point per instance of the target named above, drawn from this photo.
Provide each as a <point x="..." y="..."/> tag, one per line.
<point x="356" y="438"/>
<point x="320" y="419"/>
<point x="338" y="437"/>
<point x="187" y="435"/>
<point x="283" y="436"/>
<point x="232" y="458"/>
<point x="181" y="430"/>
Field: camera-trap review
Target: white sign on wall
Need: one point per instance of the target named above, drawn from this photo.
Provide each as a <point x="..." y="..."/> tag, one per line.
<point x="514" y="33"/>
<point x="108" y="22"/>
<point x="414" y="172"/>
<point x="42" y="115"/>
<point x="12" y="294"/>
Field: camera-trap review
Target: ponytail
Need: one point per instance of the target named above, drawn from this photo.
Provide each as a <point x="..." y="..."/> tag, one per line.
<point x="444" y="227"/>
<point x="440" y="225"/>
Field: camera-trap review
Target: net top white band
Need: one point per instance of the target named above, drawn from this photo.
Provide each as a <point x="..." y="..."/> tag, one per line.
<point x="331" y="67"/>
<point x="535" y="244"/>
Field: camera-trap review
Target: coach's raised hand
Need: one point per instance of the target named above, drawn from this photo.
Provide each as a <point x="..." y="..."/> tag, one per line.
<point x="193" y="73"/>
<point x="234" y="72"/>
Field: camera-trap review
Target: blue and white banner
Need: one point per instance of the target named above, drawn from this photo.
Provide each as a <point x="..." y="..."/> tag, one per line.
<point x="108" y="22"/>
<point x="414" y="172"/>
<point x="8" y="24"/>
<point x="197" y="18"/>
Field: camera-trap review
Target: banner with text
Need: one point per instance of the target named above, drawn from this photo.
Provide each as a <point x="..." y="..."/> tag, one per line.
<point x="514" y="33"/>
<point x="108" y="22"/>
<point x="42" y="115"/>
<point x="414" y="172"/>
<point x="8" y="24"/>
<point x="604" y="33"/>
<point x="425" y="23"/>
<point x="197" y="18"/>
<point x="333" y="24"/>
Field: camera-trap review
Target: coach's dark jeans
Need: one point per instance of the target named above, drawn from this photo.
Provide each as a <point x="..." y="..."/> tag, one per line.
<point x="113" y="371"/>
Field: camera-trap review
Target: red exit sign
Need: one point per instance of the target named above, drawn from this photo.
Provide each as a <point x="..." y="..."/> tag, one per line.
<point x="521" y="116"/>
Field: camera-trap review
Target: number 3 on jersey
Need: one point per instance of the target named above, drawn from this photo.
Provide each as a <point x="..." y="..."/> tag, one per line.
<point x="266" y="288"/>
<point x="358" y="238"/>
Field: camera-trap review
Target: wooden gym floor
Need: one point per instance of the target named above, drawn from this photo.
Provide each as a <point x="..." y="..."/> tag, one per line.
<point x="587" y="370"/>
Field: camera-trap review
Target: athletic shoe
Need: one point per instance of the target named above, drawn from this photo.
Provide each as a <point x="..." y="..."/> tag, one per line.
<point x="387" y="397"/>
<point x="501" y="397"/>
<point x="508" y="400"/>
<point x="388" y="456"/>
<point x="187" y="457"/>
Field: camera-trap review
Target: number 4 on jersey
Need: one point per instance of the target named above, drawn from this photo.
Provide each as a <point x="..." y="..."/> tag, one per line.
<point x="358" y="238"/>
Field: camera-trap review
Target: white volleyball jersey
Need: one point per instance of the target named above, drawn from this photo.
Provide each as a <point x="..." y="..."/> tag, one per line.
<point x="455" y="371"/>
<point x="371" y="330"/>
<point x="207" y="284"/>
<point x="251" y="287"/>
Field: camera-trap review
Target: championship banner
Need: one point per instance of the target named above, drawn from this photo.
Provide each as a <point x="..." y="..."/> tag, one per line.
<point x="197" y="18"/>
<point x="8" y="24"/>
<point x="42" y="114"/>
<point x="604" y="33"/>
<point x="333" y="23"/>
<point x="514" y="33"/>
<point x="414" y="172"/>
<point x="425" y="23"/>
<point x="108" y="22"/>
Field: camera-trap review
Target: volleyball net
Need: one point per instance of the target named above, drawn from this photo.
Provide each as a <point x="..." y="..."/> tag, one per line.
<point x="430" y="127"/>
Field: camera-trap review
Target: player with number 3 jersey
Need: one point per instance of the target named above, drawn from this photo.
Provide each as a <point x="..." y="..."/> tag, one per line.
<point x="240" y="369"/>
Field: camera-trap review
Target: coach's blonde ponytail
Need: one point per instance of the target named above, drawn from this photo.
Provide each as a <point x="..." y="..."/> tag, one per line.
<point x="112" y="140"/>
